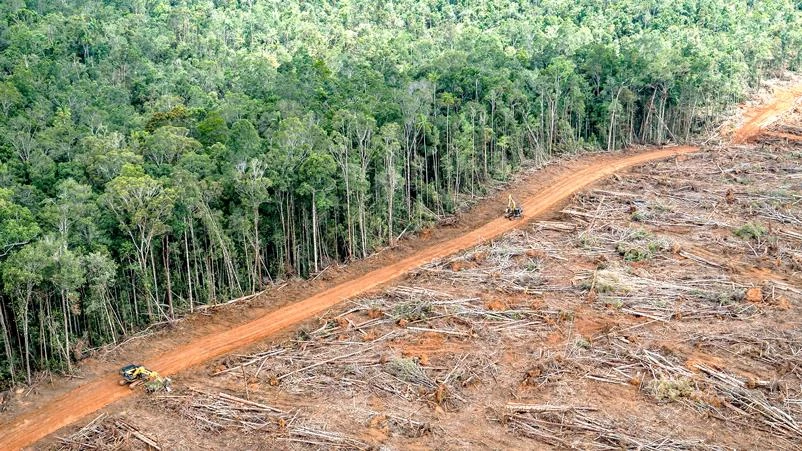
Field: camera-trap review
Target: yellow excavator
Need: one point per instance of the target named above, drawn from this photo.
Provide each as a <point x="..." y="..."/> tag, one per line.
<point x="513" y="211"/>
<point x="135" y="374"/>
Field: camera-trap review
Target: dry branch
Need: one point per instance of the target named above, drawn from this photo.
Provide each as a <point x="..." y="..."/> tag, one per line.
<point x="104" y="433"/>
<point x="574" y="428"/>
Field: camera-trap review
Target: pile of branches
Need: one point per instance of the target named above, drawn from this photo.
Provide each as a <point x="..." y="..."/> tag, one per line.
<point x="216" y="412"/>
<point x="748" y="406"/>
<point x="666" y="378"/>
<point x="222" y="411"/>
<point x="364" y="348"/>
<point x="509" y="265"/>
<point x="472" y="316"/>
<point x="104" y="433"/>
<point x="792" y="129"/>
<point x="552" y="367"/>
<point x="714" y="297"/>
<point x="782" y="350"/>
<point x="784" y="214"/>
<point x="660" y="201"/>
<point x="719" y="185"/>
<point x="576" y="427"/>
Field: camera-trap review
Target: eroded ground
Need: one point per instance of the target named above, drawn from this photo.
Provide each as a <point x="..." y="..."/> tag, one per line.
<point x="661" y="310"/>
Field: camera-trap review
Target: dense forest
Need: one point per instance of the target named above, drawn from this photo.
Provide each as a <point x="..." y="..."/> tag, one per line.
<point x="158" y="155"/>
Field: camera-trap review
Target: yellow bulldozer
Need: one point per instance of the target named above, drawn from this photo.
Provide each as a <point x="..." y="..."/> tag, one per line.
<point x="134" y="375"/>
<point x="513" y="211"/>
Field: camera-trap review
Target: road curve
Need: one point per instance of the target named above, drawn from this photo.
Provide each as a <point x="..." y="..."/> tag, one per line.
<point x="758" y="118"/>
<point x="70" y="407"/>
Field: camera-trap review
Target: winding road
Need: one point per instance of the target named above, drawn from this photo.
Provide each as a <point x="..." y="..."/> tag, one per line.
<point x="27" y="428"/>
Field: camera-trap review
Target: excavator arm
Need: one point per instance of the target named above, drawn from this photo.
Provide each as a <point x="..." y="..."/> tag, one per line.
<point x="512" y="211"/>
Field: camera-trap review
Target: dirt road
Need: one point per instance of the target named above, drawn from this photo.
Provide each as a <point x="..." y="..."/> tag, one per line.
<point x="95" y="394"/>
<point x="759" y="118"/>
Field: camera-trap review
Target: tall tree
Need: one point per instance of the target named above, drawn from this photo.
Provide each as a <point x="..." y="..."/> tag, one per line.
<point x="141" y="205"/>
<point x="22" y="273"/>
<point x="253" y="186"/>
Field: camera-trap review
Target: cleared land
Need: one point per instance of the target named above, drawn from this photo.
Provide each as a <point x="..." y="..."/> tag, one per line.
<point x="571" y="293"/>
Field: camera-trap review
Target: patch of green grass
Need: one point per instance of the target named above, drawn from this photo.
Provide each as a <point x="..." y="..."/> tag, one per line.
<point x="750" y="231"/>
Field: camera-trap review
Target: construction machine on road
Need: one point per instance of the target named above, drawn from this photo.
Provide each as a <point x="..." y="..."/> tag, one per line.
<point x="513" y="211"/>
<point x="135" y="374"/>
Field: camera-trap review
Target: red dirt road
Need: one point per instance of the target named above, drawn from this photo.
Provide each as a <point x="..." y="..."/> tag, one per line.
<point x="759" y="118"/>
<point x="72" y="406"/>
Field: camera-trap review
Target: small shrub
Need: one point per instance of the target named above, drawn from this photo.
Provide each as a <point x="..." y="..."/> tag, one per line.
<point x="640" y="244"/>
<point x="303" y="335"/>
<point x="413" y="311"/>
<point x="639" y="252"/>
<point x="408" y="370"/>
<point x="729" y="298"/>
<point x="639" y="216"/>
<point x="606" y="281"/>
<point x="662" y="208"/>
<point x="632" y="253"/>
<point x="671" y="389"/>
<point x="588" y="242"/>
<point x="721" y="298"/>
<point x="750" y="231"/>
<point x="657" y="246"/>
